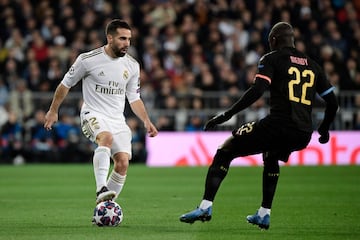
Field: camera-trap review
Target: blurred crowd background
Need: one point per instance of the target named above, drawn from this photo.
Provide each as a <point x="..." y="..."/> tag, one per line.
<point x="197" y="57"/>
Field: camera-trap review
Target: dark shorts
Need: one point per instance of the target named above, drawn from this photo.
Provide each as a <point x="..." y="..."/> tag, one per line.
<point x="266" y="136"/>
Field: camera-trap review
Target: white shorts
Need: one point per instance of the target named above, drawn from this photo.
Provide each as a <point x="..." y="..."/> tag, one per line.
<point x="93" y="123"/>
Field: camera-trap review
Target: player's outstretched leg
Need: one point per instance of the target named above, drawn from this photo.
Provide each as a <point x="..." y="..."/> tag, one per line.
<point x="256" y="219"/>
<point x="197" y="214"/>
<point x="104" y="195"/>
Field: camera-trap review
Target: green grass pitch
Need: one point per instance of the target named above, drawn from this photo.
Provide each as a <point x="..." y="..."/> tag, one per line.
<point x="55" y="202"/>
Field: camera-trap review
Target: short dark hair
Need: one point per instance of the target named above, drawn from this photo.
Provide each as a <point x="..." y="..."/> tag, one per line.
<point x="283" y="32"/>
<point x="281" y="29"/>
<point x="115" y="24"/>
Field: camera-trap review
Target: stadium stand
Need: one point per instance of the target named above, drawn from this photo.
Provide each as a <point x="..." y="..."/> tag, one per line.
<point x="197" y="57"/>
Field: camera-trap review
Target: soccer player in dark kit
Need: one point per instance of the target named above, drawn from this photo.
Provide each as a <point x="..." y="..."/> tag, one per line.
<point x="293" y="80"/>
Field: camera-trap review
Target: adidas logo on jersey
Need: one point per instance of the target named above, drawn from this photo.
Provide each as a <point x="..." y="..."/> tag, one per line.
<point x="101" y="74"/>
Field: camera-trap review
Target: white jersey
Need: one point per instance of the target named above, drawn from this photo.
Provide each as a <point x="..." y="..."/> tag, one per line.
<point x="105" y="81"/>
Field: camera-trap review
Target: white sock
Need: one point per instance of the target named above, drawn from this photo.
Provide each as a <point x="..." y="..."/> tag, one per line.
<point x="205" y="204"/>
<point x="101" y="164"/>
<point x="263" y="211"/>
<point x="116" y="182"/>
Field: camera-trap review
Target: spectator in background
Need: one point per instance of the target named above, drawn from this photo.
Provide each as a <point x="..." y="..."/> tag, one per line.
<point x="229" y="80"/>
<point x="150" y="54"/>
<point x="60" y="51"/>
<point x="160" y="14"/>
<point x="43" y="145"/>
<point x="196" y="119"/>
<point x="205" y="80"/>
<point x="164" y="92"/>
<point x="4" y="93"/>
<point x="352" y="73"/>
<point x="357" y="121"/>
<point x="54" y="72"/>
<point x="17" y="45"/>
<point x="139" y="152"/>
<point x="189" y="83"/>
<point x="12" y="145"/>
<point x="47" y="24"/>
<point x="256" y="111"/>
<point x="11" y="72"/>
<point x="195" y="123"/>
<point x="165" y="123"/>
<point x="66" y="131"/>
<point x="21" y="100"/>
<point x="67" y="137"/>
<point x="33" y="76"/>
<point x="357" y="81"/>
<point x="4" y="116"/>
<point x="39" y="48"/>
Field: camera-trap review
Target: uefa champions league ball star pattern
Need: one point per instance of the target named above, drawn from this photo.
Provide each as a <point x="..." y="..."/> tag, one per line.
<point x="107" y="214"/>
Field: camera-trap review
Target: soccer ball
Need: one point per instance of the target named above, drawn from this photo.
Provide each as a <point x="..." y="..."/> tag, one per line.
<point x="107" y="214"/>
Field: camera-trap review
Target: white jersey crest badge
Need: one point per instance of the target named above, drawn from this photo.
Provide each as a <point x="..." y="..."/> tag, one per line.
<point x="125" y="75"/>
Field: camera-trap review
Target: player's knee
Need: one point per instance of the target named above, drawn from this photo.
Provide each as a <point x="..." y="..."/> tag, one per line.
<point x="121" y="163"/>
<point x="272" y="167"/>
<point x="104" y="139"/>
<point x="222" y="160"/>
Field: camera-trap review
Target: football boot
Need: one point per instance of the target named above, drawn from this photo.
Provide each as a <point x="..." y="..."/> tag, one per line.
<point x="105" y="195"/>
<point x="261" y="222"/>
<point x="197" y="214"/>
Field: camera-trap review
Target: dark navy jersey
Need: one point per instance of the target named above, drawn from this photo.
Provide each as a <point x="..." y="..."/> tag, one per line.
<point x="294" y="79"/>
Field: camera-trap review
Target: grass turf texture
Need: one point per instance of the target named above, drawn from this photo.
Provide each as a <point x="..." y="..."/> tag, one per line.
<point x="56" y="202"/>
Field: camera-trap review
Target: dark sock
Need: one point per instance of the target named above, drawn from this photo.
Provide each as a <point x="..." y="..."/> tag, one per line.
<point x="270" y="178"/>
<point x="216" y="174"/>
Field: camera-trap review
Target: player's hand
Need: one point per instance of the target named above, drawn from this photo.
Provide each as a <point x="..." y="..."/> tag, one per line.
<point x="50" y="118"/>
<point x="324" y="134"/>
<point x="218" y="119"/>
<point x="151" y="129"/>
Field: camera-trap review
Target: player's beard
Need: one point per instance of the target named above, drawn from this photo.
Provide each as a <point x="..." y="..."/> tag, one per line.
<point x="118" y="52"/>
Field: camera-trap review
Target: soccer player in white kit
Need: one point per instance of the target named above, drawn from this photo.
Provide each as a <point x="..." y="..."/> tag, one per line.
<point x="109" y="75"/>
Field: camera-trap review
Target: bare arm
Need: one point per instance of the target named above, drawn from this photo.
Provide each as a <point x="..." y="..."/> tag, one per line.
<point x="139" y="109"/>
<point x="52" y="115"/>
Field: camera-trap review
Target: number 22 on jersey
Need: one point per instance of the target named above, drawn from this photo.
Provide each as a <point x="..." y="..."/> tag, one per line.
<point x="297" y="81"/>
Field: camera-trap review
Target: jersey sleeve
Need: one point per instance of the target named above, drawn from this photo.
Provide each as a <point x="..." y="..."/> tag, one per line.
<point x="265" y="69"/>
<point x="75" y="73"/>
<point x="133" y="86"/>
<point x="323" y="86"/>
